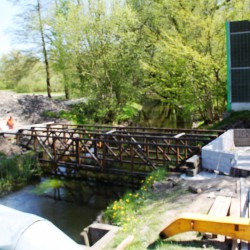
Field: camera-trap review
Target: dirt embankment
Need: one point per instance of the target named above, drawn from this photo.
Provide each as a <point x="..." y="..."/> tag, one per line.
<point x="26" y="109"/>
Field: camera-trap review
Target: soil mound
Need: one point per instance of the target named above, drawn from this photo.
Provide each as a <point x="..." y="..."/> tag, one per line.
<point x="27" y="109"/>
<point x="7" y="147"/>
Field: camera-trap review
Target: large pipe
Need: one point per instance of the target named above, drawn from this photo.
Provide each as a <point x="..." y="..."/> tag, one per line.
<point x="24" y="231"/>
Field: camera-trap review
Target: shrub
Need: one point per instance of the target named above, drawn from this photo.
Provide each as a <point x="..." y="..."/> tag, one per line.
<point x="17" y="169"/>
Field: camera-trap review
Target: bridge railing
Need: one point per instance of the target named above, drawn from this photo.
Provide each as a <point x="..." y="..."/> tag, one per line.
<point x="77" y="152"/>
<point x="71" y="151"/>
<point x="106" y="128"/>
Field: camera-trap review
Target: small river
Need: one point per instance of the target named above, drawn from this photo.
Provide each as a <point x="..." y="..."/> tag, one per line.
<point x="72" y="216"/>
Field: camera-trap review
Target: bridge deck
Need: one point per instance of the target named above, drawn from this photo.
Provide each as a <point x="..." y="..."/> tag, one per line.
<point x="127" y="153"/>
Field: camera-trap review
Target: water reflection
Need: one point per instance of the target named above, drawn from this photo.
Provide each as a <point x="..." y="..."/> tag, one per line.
<point x="160" y="115"/>
<point x="70" y="217"/>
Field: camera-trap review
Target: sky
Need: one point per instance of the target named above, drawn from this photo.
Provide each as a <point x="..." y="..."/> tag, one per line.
<point x="7" y="12"/>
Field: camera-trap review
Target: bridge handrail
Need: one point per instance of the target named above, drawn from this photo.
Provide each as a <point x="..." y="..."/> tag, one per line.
<point x="134" y="128"/>
<point x="139" y="135"/>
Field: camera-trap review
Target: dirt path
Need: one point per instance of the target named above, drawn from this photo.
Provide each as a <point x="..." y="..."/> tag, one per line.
<point x="26" y="109"/>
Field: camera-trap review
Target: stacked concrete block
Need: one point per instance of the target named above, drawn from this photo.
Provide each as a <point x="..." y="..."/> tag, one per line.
<point x="193" y="164"/>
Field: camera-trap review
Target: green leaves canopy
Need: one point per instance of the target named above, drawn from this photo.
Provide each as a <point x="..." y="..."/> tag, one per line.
<point x="116" y="52"/>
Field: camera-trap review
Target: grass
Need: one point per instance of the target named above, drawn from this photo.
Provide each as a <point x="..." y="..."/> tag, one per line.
<point x="123" y="211"/>
<point x="145" y="212"/>
<point x="142" y="214"/>
<point x="17" y="170"/>
<point x="192" y="242"/>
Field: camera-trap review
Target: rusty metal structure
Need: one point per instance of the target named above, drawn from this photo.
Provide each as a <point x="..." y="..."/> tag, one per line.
<point x="111" y="153"/>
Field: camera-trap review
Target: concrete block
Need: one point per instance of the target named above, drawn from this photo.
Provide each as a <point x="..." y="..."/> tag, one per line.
<point x="99" y="235"/>
<point x="193" y="162"/>
<point x="219" y="156"/>
<point x="192" y="172"/>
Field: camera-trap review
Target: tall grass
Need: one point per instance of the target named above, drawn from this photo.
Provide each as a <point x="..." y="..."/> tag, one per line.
<point x="123" y="212"/>
<point x="17" y="170"/>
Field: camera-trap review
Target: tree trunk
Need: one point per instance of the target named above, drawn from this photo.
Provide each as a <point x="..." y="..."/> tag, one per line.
<point x="66" y="86"/>
<point x="44" y="50"/>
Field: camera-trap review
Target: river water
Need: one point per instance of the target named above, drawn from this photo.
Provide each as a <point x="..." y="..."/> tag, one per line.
<point x="69" y="216"/>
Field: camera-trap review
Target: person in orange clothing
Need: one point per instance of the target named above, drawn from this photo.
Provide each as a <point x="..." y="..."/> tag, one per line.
<point x="10" y="123"/>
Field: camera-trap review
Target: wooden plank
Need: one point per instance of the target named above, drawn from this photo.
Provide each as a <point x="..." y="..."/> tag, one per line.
<point x="235" y="212"/>
<point x="220" y="208"/>
<point x="179" y="135"/>
<point x="243" y="198"/>
<point x="125" y="243"/>
<point x="243" y="206"/>
<point x="235" y="202"/>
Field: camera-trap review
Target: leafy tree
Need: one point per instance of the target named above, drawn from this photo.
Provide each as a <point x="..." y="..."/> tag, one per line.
<point x="115" y="53"/>
<point x="24" y="73"/>
<point x="14" y="67"/>
<point x="32" y="29"/>
<point x="44" y="49"/>
<point x="186" y="67"/>
<point x="99" y="49"/>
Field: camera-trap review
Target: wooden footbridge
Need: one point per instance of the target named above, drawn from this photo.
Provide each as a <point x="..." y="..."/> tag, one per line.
<point x="111" y="153"/>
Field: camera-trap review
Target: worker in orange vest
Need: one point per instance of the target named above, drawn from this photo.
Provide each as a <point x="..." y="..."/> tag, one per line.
<point x="10" y="123"/>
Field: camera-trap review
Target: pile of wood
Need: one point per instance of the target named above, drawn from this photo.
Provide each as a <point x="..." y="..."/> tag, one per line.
<point x="237" y="205"/>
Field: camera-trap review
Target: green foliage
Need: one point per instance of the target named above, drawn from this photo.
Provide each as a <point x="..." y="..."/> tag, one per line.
<point x="129" y="111"/>
<point x="98" y="54"/>
<point x="17" y="169"/>
<point x="187" y="68"/>
<point x="2" y="85"/>
<point x="24" y="73"/>
<point x="51" y="114"/>
<point x="14" y="66"/>
<point x="123" y="212"/>
<point x="47" y="186"/>
<point x="96" y="112"/>
<point x="76" y="115"/>
<point x="112" y="53"/>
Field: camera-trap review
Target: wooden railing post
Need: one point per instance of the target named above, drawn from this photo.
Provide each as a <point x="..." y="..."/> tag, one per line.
<point x="177" y="155"/>
<point x="104" y="154"/>
<point x="78" y="151"/>
<point x="54" y="148"/>
<point x="132" y="153"/>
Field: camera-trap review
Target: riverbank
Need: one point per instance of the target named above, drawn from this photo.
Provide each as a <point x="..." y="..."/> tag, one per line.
<point x="17" y="167"/>
<point x="163" y="203"/>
